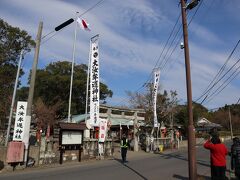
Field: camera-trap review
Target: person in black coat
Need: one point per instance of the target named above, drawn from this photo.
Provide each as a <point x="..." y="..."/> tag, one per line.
<point x="235" y="157"/>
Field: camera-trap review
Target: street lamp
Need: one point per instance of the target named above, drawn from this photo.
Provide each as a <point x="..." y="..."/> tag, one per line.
<point x="191" y="134"/>
<point x="13" y="97"/>
<point x="64" y="24"/>
<point x="192" y="4"/>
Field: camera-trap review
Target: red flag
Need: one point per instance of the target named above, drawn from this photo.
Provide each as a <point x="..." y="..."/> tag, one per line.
<point x="83" y="24"/>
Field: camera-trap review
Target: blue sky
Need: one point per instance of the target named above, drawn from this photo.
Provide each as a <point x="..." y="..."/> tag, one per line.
<point x="132" y="36"/>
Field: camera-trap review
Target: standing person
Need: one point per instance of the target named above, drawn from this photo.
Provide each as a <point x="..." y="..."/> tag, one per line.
<point x="235" y="157"/>
<point x="218" y="152"/>
<point x="124" y="147"/>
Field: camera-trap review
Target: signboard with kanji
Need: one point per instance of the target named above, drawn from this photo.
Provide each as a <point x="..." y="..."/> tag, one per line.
<point x="155" y="92"/>
<point x="94" y="82"/>
<point x="20" y="121"/>
<point x="102" y="130"/>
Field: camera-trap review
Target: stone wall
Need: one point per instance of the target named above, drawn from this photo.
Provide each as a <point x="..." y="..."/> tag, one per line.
<point x="90" y="148"/>
<point x="49" y="151"/>
<point x="3" y="156"/>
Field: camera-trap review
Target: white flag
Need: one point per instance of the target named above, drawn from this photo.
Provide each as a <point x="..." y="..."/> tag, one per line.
<point x="155" y="91"/>
<point x="94" y="82"/>
<point x="83" y="24"/>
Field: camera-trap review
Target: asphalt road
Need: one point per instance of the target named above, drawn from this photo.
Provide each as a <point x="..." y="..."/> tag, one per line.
<point x="141" y="165"/>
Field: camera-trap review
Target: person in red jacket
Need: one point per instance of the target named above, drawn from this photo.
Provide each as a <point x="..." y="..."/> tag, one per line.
<point x="218" y="155"/>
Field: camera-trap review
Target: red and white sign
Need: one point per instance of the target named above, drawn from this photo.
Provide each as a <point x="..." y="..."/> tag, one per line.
<point x="102" y="130"/>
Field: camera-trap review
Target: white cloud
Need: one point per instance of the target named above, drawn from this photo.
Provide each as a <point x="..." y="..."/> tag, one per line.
<point x="204" y="35"/>
<point x="132" y="34"/>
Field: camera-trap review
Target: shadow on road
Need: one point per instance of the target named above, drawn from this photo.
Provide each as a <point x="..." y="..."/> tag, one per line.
<point x="186" y="178"/>
<point x="179" y="177"/>
<point x="136" y="172"/>
<point x="181" y="157"/>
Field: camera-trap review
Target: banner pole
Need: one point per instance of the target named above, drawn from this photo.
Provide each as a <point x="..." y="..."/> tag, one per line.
<point x="13" y="97"/>
<point x="89" y="63"/>
<point x="73" y="62"/>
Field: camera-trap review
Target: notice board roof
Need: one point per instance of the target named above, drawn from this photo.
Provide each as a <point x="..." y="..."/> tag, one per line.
<point x="72" y="126"/>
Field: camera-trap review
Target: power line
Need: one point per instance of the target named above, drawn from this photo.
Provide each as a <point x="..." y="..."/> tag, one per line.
<point x="217" y="78"/>
<point x="173" y="50"/>
<point x="219" y="73"/>
<point x="48" y="34"/>
<point x="195" y="12"/>
<point x="178" y="42"/>
<point x="168" y="41"/>
<point x="164" y="58"/>
<point x="208" y="9"/>
<point x="238" y="101"/>
<point x="163" y="49"/>
<point x="225" y="80"/>
<point x="231" y="77"/>
<point x="223" y="87"/>
<point x="95" y="5"/>
<point x="161" y="65"/>
<point x="89" y="9"/>
<point x="43" y="42"/>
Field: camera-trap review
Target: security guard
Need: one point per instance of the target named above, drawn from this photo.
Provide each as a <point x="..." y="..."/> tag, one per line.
<point x="124" y="147"/>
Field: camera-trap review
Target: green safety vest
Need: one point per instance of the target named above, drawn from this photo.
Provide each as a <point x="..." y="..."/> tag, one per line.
<point x="124" y="145"/>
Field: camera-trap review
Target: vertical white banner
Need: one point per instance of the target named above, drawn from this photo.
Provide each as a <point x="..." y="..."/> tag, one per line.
<point x="155" y="91"/>
<point x="26" y="134"/>
<point x="94" y="82"/>
<point x="102" y="130"/>
<point x="19" y="126"/>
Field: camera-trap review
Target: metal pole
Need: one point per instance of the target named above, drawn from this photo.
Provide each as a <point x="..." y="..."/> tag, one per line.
<point x="172" y="132"/>
<point x="230" y="122"/>
<point x="73" y="62"/>
<point x="13" y="97"/>
<point x="191" y="134"/>
<point x="135" y="132"/>
<point x="89" y="61"/>
<point x="171" y="117"/>
<point x="31" y="90"/>
<point x="120" y="133"/>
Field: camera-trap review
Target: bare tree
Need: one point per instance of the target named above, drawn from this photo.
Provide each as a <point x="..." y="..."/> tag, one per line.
<point x="45" y="115"/>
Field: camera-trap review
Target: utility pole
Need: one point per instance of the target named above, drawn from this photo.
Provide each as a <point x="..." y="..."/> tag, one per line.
<point x="230" y="122"/>
<point x="31" y="90"/>
<point x="191" y="134"/>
